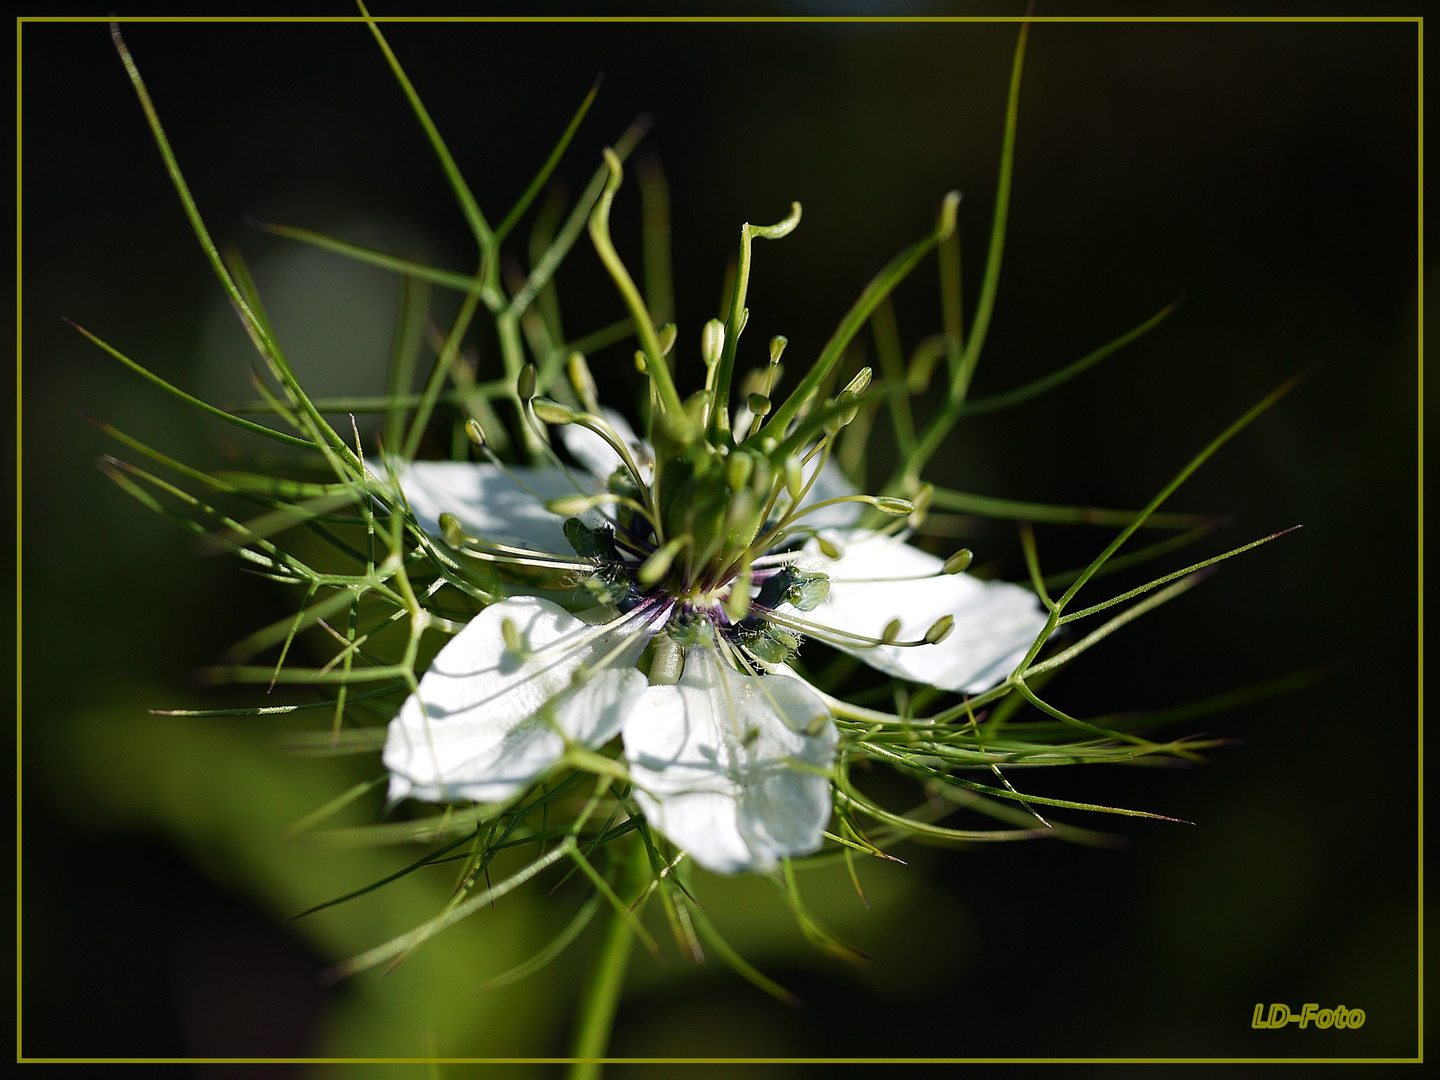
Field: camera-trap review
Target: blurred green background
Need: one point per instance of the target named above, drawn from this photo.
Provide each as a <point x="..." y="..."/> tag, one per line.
<point x="1264" y="172"/>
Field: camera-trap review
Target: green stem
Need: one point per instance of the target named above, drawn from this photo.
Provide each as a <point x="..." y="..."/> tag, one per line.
<point x="607" y="976"/>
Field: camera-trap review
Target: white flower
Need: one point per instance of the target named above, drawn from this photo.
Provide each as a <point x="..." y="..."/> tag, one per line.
<point x="728" y="750"/>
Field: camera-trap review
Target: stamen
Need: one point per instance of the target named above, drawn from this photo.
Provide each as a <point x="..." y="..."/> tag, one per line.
<point x="777" y="350"/>
<point x="955" y="564"/>
<point x="828" y="549"/>
<point x="782" y="535"/>
<point x="777" y="558"/>
<point x="570" y="644"/>
<point x="820" y="633"/>
<point x="583" y="381"/>
<point x="715" y="643"/>
<point x="515" y="560"/>
<point x="886" y="504"/>
<point x="602" y="427"/>
<point x="772" y="538"/>
<point x="490" y="551"/>
<point x="575" y="505"/>
<point x="737" y="602"/>
<point x="742" y="662"/>
<point x="859" y="383"/>
<point x="940" y="629"/>
<point x="495" y="546"/>
<point x="794" y="480"/>
<point x="535" y="424"/>
<point x="586" y="672"/>
<point x="764" y="388"/>
<point x="525" y="383"/>
<point x="658" y="564"/>
<point x="712" y="346"/>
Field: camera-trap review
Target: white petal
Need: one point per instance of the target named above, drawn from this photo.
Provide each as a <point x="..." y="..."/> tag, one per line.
<point x="492" y="721"/>
<point x="995" y="622"/>
<point x="711" y="756"/>
<point x="596" y="454"/>
<point x="507" y="505"/>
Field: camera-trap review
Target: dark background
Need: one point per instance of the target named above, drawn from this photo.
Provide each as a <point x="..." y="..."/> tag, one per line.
<point x="1264" y="172"/>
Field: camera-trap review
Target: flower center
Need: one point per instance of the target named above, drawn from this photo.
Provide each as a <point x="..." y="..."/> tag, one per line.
<point x="705" y="532"/>
<point x="736" y="596"/>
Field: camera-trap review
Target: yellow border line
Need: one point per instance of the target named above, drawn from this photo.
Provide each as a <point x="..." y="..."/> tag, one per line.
<point x="1420" y="29"/>
<point x="716" y="1060"/>
<point x="19" y="539"/>
<point x="763" y="19"/>
<point x="1420" y="532"/>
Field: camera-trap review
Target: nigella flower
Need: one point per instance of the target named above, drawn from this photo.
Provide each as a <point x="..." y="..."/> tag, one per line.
<point x="703" y="569"/>
<point x="693" y="567"/>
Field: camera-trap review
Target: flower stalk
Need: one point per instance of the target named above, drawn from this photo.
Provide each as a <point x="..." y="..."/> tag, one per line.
<point x="600" y="998"/>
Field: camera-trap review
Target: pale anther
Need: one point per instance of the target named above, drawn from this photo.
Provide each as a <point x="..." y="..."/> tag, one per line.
<point x="957" y="562"/>
<point x="859" y="382"/>
<point x="777" y="347"/>
<point x="583" y="381"/>
<point x="712" y="342"/>
<point x="552" y="412"/>
<point x="887" y="504"/>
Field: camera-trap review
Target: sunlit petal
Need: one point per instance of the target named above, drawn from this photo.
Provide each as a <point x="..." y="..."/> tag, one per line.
<point x="498" y="504"/>
<point x="492" y="721"/>
<point x="716" y="762"/>
<point x="879" y="578"/>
